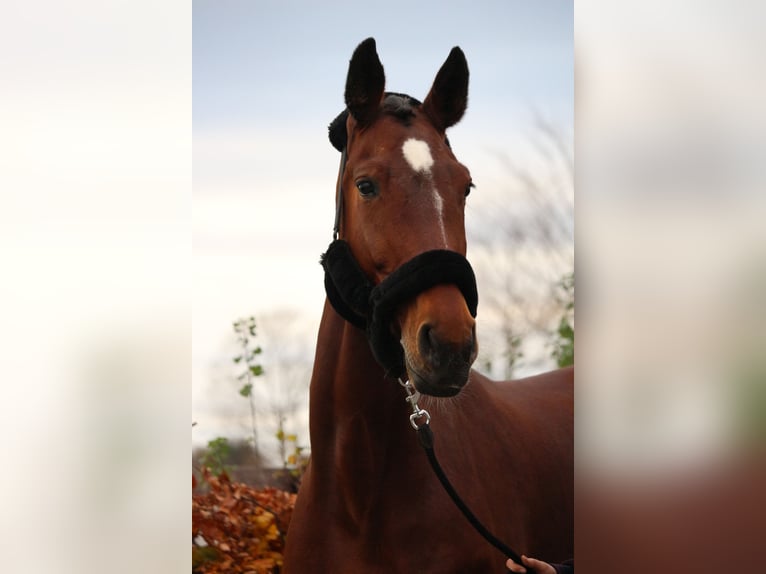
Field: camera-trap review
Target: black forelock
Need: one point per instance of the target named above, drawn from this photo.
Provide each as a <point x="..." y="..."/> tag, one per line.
<point x="401" y="106"/>
<point x="398" y="105"/>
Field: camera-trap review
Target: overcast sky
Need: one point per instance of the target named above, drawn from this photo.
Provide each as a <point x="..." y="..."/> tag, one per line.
<point x="268" y="77"/>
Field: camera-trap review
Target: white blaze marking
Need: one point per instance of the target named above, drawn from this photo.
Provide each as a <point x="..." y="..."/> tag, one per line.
<point x="439" y="202"/>
<point x="418" y="155"/>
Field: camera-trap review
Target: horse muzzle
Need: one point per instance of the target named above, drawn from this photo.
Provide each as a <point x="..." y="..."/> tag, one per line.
<point x="438" y="337"/>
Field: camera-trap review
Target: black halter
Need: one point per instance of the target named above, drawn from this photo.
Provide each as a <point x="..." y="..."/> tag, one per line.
<point x="371" y="307"/>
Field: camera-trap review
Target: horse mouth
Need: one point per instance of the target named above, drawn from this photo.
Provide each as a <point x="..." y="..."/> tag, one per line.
<point x="439" y="386"/>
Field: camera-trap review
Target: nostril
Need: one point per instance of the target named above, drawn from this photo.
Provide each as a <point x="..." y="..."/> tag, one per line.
<point x="430" y="346"/>
<point x="426" y="340"/>
<point x="433" y="340"/>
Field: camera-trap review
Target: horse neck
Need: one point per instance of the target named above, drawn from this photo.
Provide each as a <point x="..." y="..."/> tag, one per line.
<point x="356" y="413"/>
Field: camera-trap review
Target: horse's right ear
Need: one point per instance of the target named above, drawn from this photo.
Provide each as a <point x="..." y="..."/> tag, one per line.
<point x="365" y="82"/>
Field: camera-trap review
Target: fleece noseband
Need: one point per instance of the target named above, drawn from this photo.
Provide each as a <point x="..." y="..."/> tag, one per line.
<point x="372" y="307"/>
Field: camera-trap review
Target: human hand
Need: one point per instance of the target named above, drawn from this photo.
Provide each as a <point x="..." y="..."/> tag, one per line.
<point x="536" y="566"/>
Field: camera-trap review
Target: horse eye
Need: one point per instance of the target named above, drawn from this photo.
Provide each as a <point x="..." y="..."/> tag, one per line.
<point x="468" y="188"/>
<point x="366" y="187"/>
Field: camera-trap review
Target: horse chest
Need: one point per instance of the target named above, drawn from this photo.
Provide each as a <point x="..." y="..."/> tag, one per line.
<point x="405" y="543"/>
<point x="402" y="522"/>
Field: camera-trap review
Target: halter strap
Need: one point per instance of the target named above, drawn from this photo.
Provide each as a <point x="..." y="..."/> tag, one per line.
<point x="339" y="194"/>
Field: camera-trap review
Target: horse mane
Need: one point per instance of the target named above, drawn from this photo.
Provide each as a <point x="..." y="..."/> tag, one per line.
<point x="400" y="106"/>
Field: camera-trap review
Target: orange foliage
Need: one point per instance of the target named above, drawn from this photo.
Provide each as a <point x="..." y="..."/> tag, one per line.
<point x="243" y="528"/>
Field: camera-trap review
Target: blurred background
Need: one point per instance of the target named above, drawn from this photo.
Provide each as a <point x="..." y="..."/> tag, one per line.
<point x="99" y="273"/>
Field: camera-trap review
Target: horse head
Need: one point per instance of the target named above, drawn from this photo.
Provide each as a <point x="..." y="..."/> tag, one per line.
<point x="403" y="195"/>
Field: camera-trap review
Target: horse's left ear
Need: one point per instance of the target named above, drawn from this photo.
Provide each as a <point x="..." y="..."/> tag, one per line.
<point x="445" y="104"/>
<point x="365" y="82"/>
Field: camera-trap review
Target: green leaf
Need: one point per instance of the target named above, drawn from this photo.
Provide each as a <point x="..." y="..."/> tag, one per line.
<point x="246" y="390"/>
<point x="566" y="331"/>
<point x="238" y="359"/>
<point x="257" y="370"/>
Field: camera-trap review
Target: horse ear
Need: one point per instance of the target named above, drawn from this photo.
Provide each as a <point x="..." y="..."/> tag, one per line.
<point x="365" y="82"/>
<point x="445" y="104"/>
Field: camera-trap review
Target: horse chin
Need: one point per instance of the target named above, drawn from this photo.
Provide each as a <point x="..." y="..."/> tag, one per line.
<point x="438" y="387"/>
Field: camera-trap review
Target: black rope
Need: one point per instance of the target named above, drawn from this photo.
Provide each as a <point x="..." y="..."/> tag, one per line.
<point x="426" y="437"/>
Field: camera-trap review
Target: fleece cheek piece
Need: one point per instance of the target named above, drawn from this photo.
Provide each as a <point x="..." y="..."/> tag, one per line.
<point x="346" y="285"/>
<point x="370" y="307"/>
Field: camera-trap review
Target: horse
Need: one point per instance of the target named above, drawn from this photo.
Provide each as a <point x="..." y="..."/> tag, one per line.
<point x="401" y="304"/>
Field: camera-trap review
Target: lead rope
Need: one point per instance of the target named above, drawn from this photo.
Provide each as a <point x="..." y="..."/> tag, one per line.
<point x="426" y="439"/>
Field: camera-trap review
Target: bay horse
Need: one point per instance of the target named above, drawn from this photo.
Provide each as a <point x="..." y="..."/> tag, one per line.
<point x="402" y="304"/>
